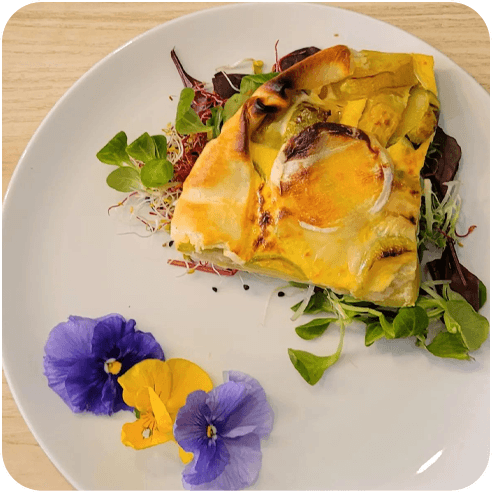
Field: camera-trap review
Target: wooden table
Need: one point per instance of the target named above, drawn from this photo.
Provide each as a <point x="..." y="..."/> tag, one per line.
<point x="48" y="46"/>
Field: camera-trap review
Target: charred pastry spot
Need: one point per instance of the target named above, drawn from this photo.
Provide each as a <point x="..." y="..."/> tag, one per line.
<point x="414" y="145"/>
<point x="300" y="145"/>
<point x="265" y="219"/>
<point x="252" y="218"/>
<point x="285" y="186"/>
<point x="261" y="199"/>
<point x="243" y="141"/>
<point x="283" y="213"/>
<point x="412" y="219"/>
<point x="263" y="108"/>
<point x="392" y="252"/>
<point x="269" y="246"/>
<point x="258" y="242"/>
<point x="376" y="151"/>
<point x="298" y="178"/>
<point x="280" y="85"/>
<point x="261" y="244"/>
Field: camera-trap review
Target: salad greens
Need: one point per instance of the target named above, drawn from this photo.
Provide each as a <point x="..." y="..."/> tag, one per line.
<point x="449" y="304"/>
<point x="188" y="122"/>
<point x="463" y="329"/>
<point x="142" y="163"/>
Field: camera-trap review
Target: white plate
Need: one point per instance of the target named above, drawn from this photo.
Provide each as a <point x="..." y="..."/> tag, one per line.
<point x="375" y="418"/>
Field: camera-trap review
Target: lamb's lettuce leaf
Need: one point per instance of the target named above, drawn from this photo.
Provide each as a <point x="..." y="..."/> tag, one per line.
<point x="124" y="179"/>
<point x="463" y="329"/>
<point x="312" y="367"/>
<point x="114" y="152"/>
<point x="187" y="120"/>
<point x="141" y="164"/>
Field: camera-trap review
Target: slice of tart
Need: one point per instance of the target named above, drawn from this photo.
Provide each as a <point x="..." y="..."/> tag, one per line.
<point x="316" y="178"/>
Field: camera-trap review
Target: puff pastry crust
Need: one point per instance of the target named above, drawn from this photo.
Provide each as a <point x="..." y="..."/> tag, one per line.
<point x="316" y="178"/>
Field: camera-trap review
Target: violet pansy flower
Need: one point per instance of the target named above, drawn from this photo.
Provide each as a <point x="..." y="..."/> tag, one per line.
<point x="84" y="358"/>
<point x="223" y="429"/>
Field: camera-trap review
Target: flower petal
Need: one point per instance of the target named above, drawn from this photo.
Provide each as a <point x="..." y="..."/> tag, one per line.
<point x="187" y="377"/>
<point x="190" y="427"/>
<point x="111" y="394"/>
<point x="241" y="471"/>
<point x="223" y="401"/>
<point x="254" y="412"/>
<point x="84" y="384"/>
<point x="107" y="334"/>
<point x="132" y="434"/>
<point x="208" y="464"/>
<point x="56" y="371"/>
<point x="135" y="347"/>
<point x="163" y="421"/>
<point x="142" y="401"/>
<point x="186" y="457"/>
<point x="152" y="373"/>
<point x="70" y="341"/>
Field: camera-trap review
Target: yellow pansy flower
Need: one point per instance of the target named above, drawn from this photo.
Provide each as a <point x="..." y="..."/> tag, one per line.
<point x="157" y="390"/>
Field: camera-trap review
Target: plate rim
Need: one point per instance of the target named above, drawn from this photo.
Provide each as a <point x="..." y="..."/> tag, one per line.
<point x="15" y="178"/>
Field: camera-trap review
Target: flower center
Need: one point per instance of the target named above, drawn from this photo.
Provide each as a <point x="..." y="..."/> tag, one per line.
<point x="211" y="431"/>
<point x="146" y="433"/>
<point x="112" y="366"/>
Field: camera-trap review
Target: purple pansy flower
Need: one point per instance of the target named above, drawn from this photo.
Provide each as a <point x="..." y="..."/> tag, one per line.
<point x="223" y="429"/>
<point x="84" y="358"/>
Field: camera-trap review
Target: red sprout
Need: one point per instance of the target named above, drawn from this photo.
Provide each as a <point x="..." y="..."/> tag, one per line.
<point x="470" y="230"/>
<point x="119" y="204"/>
<point x="203" y="267"/>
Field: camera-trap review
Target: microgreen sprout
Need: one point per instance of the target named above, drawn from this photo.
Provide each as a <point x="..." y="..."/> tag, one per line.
<point x="304" y="303"/>
<point x="175" y="147"/>
<point x="439" y="218"/>
<point x="153" y="208"/>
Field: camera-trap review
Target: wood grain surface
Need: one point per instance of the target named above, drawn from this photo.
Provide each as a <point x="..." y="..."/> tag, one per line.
<point x="49" y="46"/>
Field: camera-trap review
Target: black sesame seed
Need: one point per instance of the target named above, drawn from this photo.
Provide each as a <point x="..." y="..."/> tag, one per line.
<point x="214" y="289"/>
<point x="280" y="294"/>
<point x="246" y="287"/>
<point x="171" y="243"/>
